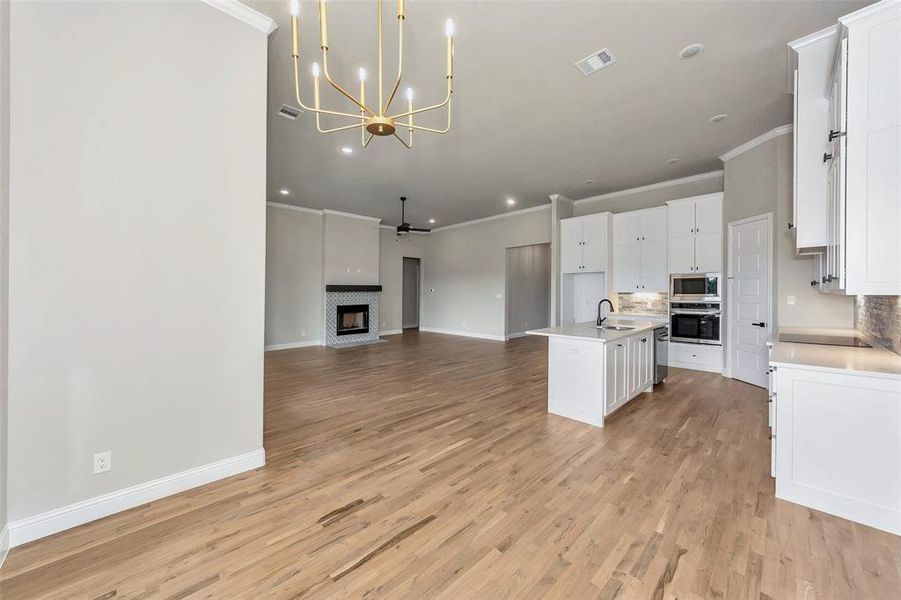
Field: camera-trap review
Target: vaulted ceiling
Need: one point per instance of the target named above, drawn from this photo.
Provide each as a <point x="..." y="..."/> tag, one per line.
<point x="526" y="123"/>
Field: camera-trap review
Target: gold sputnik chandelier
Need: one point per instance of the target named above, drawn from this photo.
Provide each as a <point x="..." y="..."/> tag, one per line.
<point x="369" y="120"/>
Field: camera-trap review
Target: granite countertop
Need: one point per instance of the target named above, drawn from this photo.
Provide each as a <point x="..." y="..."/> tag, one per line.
<point x="847" y="359"/>
<point x="588" y="331"/>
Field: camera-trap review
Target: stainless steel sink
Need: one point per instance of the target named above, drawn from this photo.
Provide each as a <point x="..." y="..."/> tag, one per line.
<point x="615" y="327"/>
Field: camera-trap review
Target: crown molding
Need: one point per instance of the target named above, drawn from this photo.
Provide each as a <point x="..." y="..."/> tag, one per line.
<point x="338" y="213"/>
<point x="560" y="198"/>
<point x="244" y="13"/>
<point x="653" y="186"/>
<point x="514" y="213"/>
<point x="760" y="139"/>
<point x="303" y="209"/>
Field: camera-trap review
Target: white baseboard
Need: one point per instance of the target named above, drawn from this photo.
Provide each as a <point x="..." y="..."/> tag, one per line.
<point x="391" y="332"/>
<point x="66" y="517"/>
<point x="290" y="345"/>
<point x="4" y="543"/>
<point x="472" y="334"/>
<point x="513" y="336"/>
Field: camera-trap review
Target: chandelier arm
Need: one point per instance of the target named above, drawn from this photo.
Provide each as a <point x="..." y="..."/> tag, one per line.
<point x="310" y="108"/>
<point x="401" y="140"/>
<point x="447" y="98"/>
<point x="334" y="129"/>
<point x="400" y="60"/>
<point x="328" y="77"/>
<point x="369" y="139"/>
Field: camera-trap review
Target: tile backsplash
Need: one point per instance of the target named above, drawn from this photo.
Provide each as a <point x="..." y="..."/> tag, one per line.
<point x="643" y="302"/>
<point x="879" y="317"/>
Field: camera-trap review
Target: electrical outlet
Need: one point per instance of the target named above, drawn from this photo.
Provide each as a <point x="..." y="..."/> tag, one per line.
<point x="791" y="300"/>
<point x="103" y="462"/>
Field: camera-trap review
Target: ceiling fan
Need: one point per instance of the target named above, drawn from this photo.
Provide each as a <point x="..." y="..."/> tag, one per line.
<point x="404" y="227"/>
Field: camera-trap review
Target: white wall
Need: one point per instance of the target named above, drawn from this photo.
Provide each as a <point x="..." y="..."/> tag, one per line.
<point x="4" y="261"/>
<point x="294" y="289"/>
<point x="137" y="244"/>
<point x="351" y="249"/>
<point x="528" y="287"/>
<point x="392" y="250"/>
<point x="463" y="272"/>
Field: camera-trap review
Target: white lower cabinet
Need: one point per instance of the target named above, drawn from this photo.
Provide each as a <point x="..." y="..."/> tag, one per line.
<point x="836" y="443"/>
<point x="630" y="367"/>
<point x="701" y="357"/>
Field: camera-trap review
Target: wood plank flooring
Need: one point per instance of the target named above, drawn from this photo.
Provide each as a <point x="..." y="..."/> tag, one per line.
<point x="427" y="467"/>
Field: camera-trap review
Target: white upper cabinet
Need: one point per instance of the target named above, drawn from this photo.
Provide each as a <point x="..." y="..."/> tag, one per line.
<point x="814" y="55"/>
<point x="639" y="250"/>
<point x="570" y="245"/>
<point x="583" y="243"/>
<point x="681" y="219"/>
<point x="848" y="151"/>
<point x="696" y="234"/>
<point x="872" y="163"/>
<point x="626" y="228"/>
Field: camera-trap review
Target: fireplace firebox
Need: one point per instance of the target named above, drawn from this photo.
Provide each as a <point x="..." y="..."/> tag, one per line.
<point x="352" y="318"/>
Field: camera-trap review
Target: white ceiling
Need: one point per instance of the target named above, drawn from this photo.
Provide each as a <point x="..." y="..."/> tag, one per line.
<point x="526" y="122"/>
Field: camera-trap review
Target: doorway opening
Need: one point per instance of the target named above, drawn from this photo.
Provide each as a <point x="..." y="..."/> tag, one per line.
<point x="410" y="293"/>
<point x="528" y="289"/>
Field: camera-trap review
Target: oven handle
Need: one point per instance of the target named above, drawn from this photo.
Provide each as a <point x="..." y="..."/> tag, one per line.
<point x="696" y="312"/>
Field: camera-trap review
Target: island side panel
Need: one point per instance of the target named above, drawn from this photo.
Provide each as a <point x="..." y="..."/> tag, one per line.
<point x="576" y="379"/>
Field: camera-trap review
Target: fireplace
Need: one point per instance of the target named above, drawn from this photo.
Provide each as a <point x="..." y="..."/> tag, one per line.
<point x="352" y="319"/>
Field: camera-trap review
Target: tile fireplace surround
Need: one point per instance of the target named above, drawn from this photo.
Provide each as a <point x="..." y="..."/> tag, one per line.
<point x="341" y="295"/>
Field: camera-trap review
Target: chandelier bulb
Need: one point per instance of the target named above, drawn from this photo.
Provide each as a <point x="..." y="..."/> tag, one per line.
<point x="449" y="28"/>
<point x="409" y="93"/>
<point x="316" y="70"/>
<point x="362" y="74"/>
<point x="295" y="8"/>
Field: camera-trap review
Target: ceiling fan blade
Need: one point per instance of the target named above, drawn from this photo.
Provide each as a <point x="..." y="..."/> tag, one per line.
<point x="419" y="229"/>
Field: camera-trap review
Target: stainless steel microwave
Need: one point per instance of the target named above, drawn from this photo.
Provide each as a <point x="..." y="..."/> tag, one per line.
<point x="696" y="287"/>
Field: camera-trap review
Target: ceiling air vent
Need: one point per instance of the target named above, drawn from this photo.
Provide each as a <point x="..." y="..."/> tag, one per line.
<point x="289" y="112"/>
<point x="595" y="62"/>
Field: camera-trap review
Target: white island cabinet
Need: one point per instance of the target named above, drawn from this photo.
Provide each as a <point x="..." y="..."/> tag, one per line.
<point x="593" y="372"/>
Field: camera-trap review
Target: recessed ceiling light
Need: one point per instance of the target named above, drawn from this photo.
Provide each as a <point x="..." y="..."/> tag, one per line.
<point x="672" y="161"/>
<point x="284" y="191"/>
<point x="347" y="150"/>
<point x="511" y="201"/>
<point x="691" y="51"/>
<point x="431" y="221"/>
<point x="589" y="182"/>
<point x="718" y="118"/>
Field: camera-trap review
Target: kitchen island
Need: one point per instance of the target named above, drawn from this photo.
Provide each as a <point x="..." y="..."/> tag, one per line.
<point x="593" y="372"/>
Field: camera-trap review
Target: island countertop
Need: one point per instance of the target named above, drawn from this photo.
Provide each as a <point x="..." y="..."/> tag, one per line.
<point x="588" y="331"/>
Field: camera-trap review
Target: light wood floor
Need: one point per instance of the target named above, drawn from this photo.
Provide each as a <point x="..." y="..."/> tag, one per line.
<point x="427" y="467"/>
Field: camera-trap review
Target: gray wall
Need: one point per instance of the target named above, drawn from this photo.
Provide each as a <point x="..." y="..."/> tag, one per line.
<point x="4" y="254"/>
<point x="294" y="290"/>
<point x="463" y="274"/>
<point x="528" y="287"/>
<point x="392" y="250"/>
<point x="626" y="200"/>
<point x="760" y="181"/>
<point x="410" y="293"/>
<point x="350" y="250"/>
<point x="138" y="246"/>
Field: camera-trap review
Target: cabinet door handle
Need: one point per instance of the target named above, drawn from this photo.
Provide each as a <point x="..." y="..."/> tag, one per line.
<point x="826" y="157"/>
<point x="644" y="340"/>
<point x="619" y="345"/>
<point x="813" y="283"/>
<point x="835" y="134"/>
<point x="791" y="225"/>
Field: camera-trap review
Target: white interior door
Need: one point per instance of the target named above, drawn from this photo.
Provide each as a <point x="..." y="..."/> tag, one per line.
<point x="749" y="298"/>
